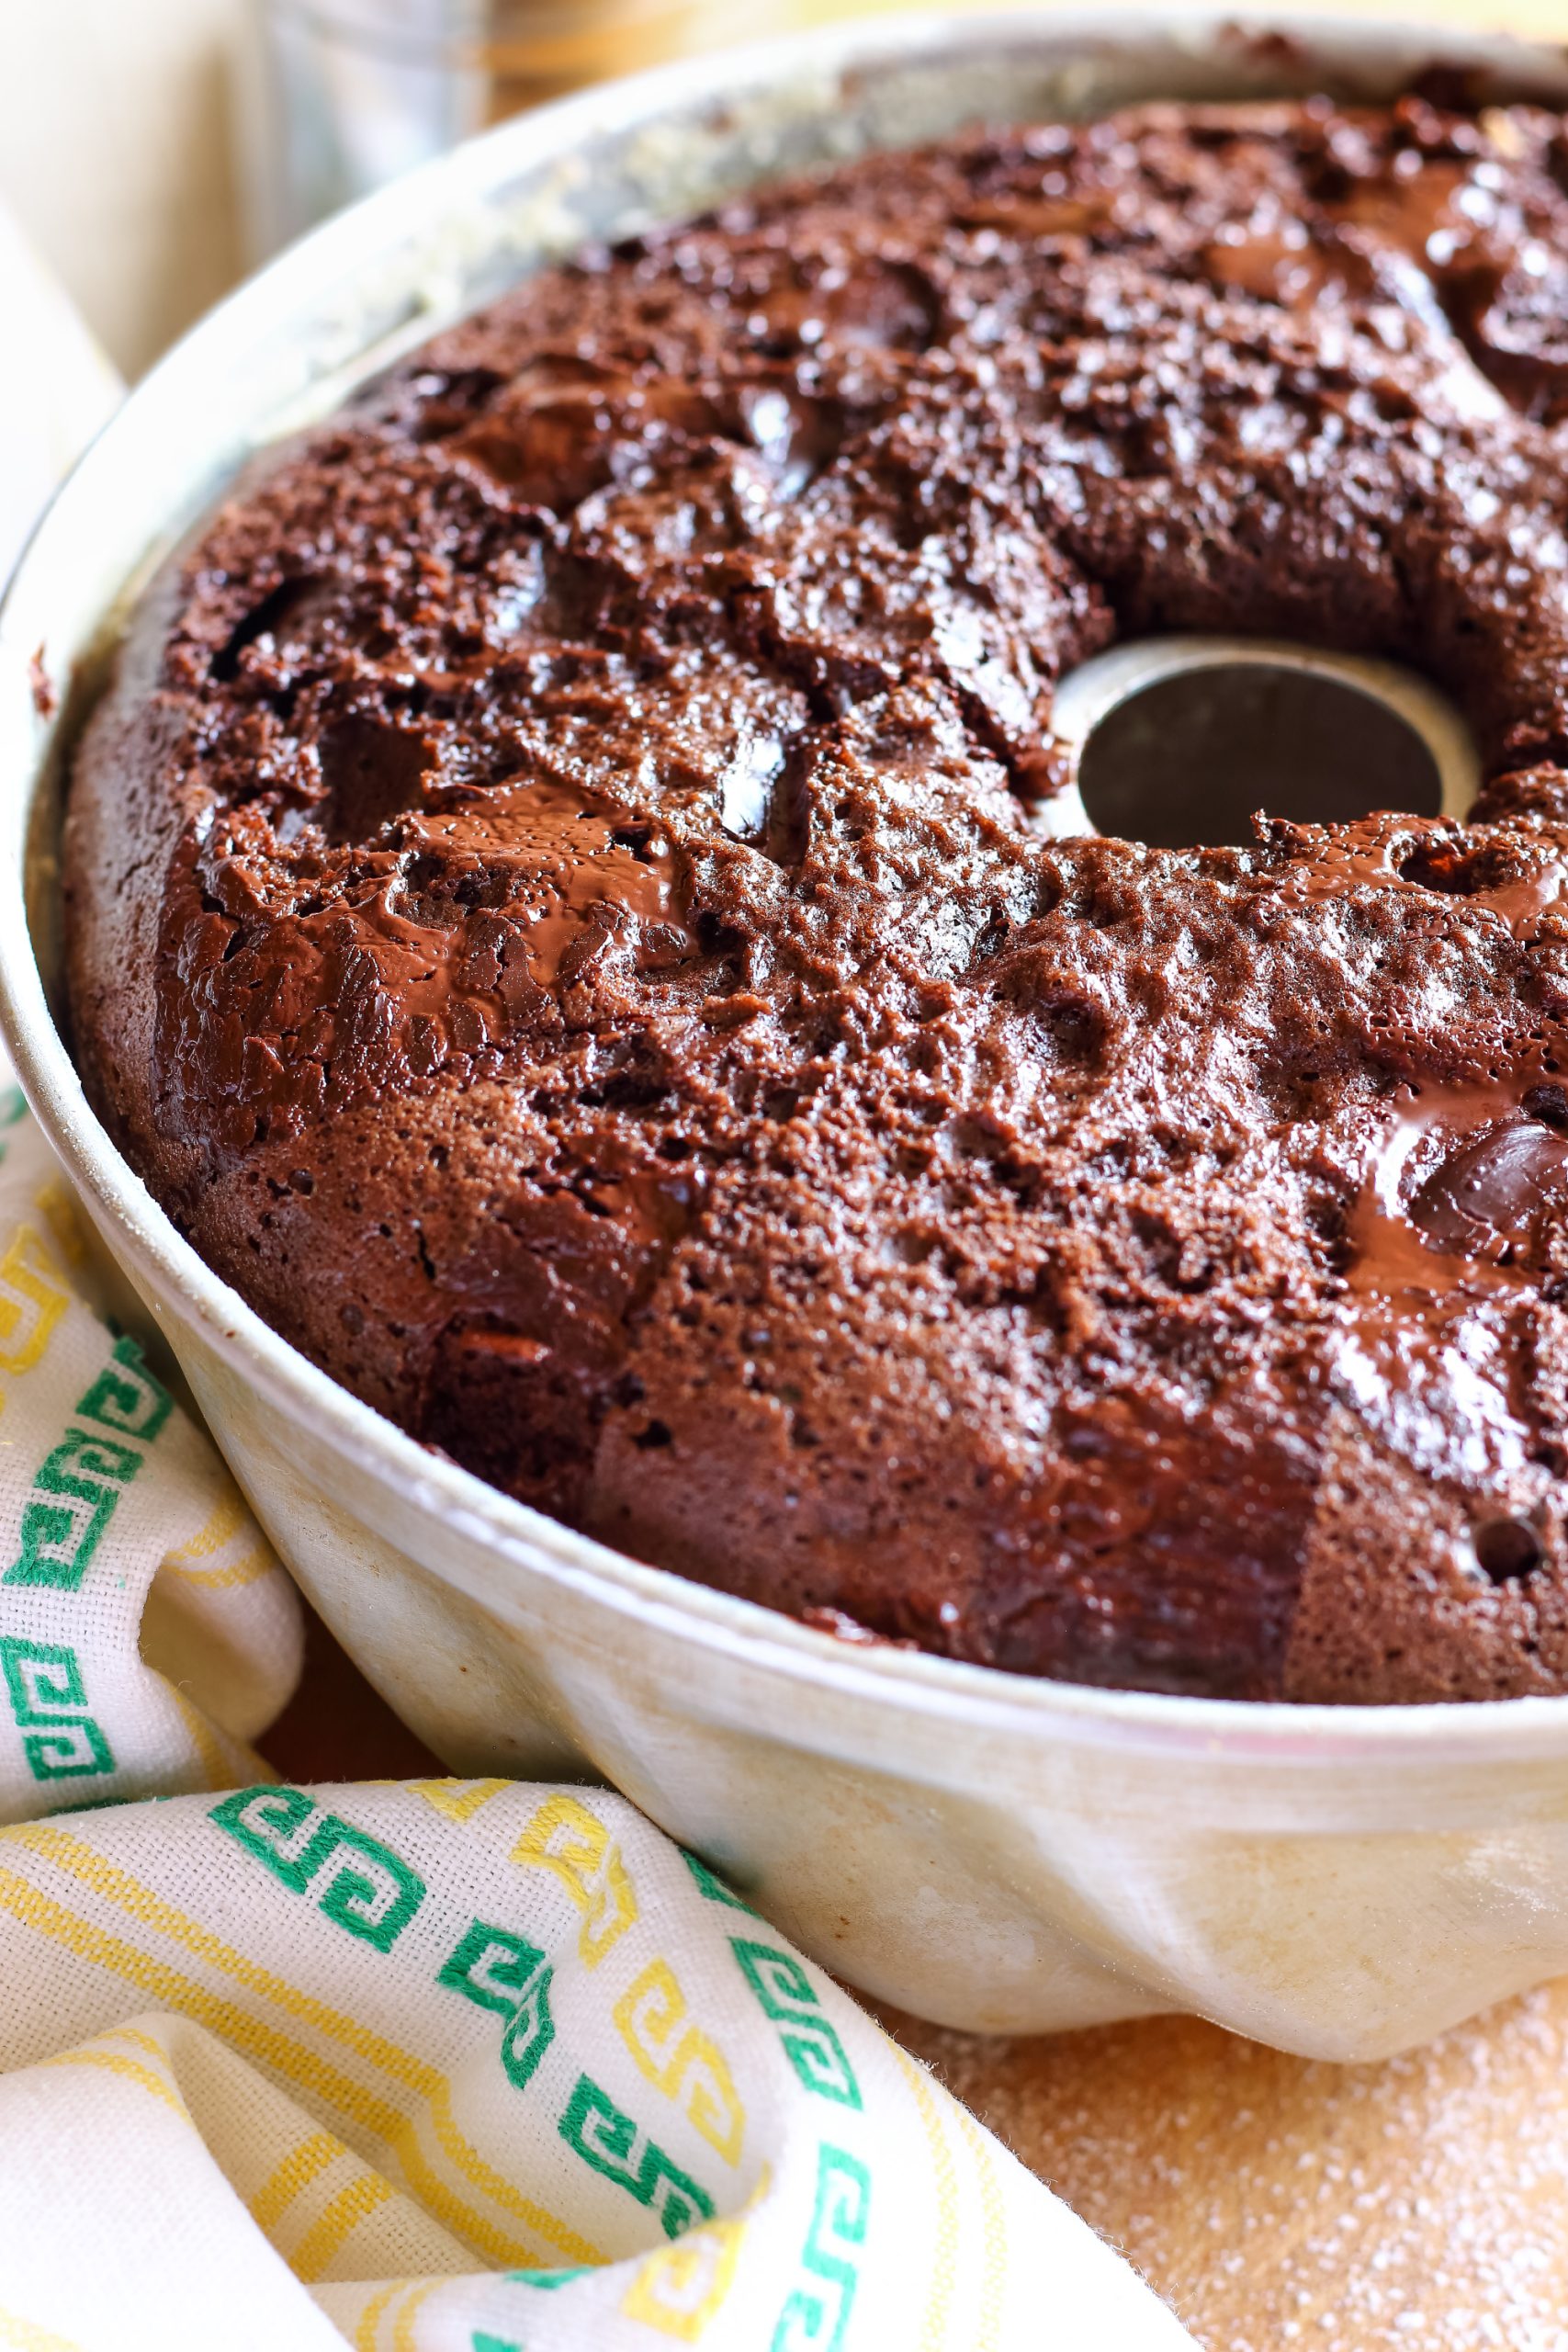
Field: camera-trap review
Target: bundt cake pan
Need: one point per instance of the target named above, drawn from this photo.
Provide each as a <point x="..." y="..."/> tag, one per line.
<point x="990" y="1851"/>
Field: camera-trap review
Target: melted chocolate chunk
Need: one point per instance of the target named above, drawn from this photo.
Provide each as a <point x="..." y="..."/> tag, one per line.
<point x="1485" y="1197"/>
<point x="557" y="913"/>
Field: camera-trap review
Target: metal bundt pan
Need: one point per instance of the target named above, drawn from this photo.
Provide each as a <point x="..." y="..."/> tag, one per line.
<point x="990" y="1851"/>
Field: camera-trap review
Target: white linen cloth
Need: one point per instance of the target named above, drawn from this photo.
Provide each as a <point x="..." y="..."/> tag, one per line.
<point x="441" y="2067"/>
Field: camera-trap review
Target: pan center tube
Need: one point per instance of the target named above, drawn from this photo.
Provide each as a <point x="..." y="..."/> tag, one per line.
<point x="1177" y="741"/>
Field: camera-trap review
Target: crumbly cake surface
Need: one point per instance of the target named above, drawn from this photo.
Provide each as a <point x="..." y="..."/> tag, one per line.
<point x="557" y="913"/>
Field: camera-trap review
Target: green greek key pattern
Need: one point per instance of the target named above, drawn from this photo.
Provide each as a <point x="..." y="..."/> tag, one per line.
<point x="817" y="2312"/>
<point x="549" y="2279"/>
<point x="73" y="1498"/>
<point x="810" y="2043"/>
<point x="481" y="2341"/>
<point x="499" y="1971"/>
<point x="595" y="2127"/>
<point x="48" y="1703"/>
<point x="355" y="1881"/>
<point x="77" y="1486"/>
<point x="125" y="1397"/>
<point x="711" y="1886"/>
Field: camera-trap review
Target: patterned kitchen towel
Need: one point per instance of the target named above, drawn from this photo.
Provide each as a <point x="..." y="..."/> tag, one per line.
<point x="147" y="1631"/>
<point x="475" y="2066"/>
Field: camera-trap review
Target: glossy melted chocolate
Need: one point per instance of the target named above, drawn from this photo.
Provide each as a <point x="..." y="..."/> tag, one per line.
<point x="556" y="914"/>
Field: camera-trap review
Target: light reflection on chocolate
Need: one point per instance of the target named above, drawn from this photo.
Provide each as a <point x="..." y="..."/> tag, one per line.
<point x="1273" y="263"/>
<point x="1486" y="1198"/>
<point x="1440" y="1388"/>
<point x="1424" y="212"/>
<point x="1444" y="1236"/>
<point x="431" y="953"/>
<point x="1443" y="1242"/>
<point x="1479" y="1202"/>
<point x="539" y="854"/>
<point x="1427" y="1339"/>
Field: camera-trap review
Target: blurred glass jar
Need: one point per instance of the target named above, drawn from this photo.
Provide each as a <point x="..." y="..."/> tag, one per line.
<point x="344" y="95"/>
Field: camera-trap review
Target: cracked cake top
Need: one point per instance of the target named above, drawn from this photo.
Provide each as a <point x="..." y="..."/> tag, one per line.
<point x="559" y="914"/>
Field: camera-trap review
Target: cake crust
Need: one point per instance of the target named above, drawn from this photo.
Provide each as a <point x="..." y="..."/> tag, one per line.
<point x="556" y="914"/>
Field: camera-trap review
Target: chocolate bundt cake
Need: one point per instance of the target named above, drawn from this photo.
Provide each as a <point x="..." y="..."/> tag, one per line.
<point x="560" y="913"/>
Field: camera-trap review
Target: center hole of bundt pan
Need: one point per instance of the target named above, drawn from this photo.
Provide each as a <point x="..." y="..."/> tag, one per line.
<point x="1177" y="741"/>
